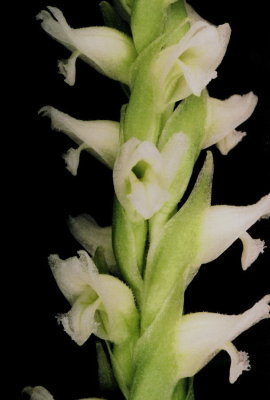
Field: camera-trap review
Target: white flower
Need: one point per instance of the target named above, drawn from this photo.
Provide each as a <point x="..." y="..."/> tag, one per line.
<point x="91" y="236"/>
<point x="142" y="175"/>
<point x="224" y="116"/>
<point x="188" y="66"/>
<point x="100" y="138"/>
<point x="101" y="304"/>
<point x="109" y="51"/>
<point x="222" y="225"/>
<point x="38" y="393"/>
<point x="202" y="335"/>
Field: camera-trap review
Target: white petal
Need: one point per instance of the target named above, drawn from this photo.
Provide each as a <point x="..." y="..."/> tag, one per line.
<point x="239" y="361"/>
<point x="72" y="159"/>
<point x="251" y="250"/>
<point x="68" y="68"/>
<point x="198" y="54"/>
<point x="223" y="116"/>
<point x="91" y="236"/>
<point x="38" y="393"/>
<point x="101" y="137"/>
<point x="101" y="304"/>
<point x="226" y="144"/>
<point x="202" y="335"/>
<point x="73" y="275"/>
<point x="129" y="186"/>
<point x="79" y="323"/>
<point x="224" y="224"/>
<point x="109" y="51"/>
<point x="147" y="199"/>
<point x="56" y="27"/>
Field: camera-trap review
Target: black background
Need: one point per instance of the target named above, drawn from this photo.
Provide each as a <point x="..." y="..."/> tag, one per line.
<point x="41" y="194"/>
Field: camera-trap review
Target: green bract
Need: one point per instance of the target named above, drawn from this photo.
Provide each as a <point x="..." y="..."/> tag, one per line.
<point x="127" y="286"/>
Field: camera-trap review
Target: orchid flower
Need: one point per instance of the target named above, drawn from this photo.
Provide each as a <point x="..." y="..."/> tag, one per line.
<point x="188" y="66"/>
<point x="40" y="393"/>
<point x="223" y="117"/>
<point x="202" y="335"/>
<point x="91" y="296"/>
<point x="142" y="174"/>
<point x="109" y="51"/>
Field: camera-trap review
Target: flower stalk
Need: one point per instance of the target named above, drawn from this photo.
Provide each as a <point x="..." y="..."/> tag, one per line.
<point x="127" y="287"/>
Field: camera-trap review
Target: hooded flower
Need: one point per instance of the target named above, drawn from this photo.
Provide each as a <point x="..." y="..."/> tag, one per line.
<point x="224" y="224"/>
<point x="100" y="138"/>
<point x="142" y="175"/>
<point x="188" y="66"/>
<point x="223" y="116"/>
<point x="202" y="335"/>
<point x="101" y="304"/>
<point x="108" y="50"/>
<point x="38" y="393"/>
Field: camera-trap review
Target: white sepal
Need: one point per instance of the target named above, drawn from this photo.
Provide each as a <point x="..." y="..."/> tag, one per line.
<point x="101" y="304"/>
<point x="68" y="68"/>
<point x="37" y="393"/>
<point x="143" y="175"/>
<point x="202" y="335"/>
<point x="101" y="137"/>
<point x="72" y="158"/>
<point x="109" y="51"/>
<point x="251" y="250"/>
<point x="231" y="140"/>
<point x="91" y="236"/>
<point x="73" y="275"/>
<point x="79" y="323"/>
<point x="223" y="116"/>
<point x="187" y="67"/>
<point x="222" y="225"/>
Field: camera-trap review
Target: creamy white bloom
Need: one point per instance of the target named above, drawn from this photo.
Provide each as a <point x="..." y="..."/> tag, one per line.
<point x="91" y="236"/>
<point x="222" y="225"/>
<point x="142" y="175"/>
<point x="188" y="66"/>
<point x="101" y="304"/>
<point x="201" y="336"/>
<point x="100" y="138"/>
<point x="223" y="116"/>
<point x="38" y="393"/>
<point x="109" y="51"/>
